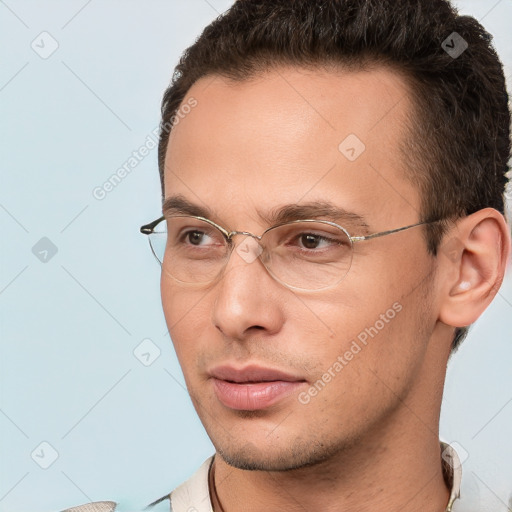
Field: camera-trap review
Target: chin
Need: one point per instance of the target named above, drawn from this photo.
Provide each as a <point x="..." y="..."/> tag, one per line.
<point x="290" y="456"/>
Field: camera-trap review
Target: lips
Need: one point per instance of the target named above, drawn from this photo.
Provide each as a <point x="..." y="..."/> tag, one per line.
<point x="251" y="374"/>
<point x="253" y="387"/>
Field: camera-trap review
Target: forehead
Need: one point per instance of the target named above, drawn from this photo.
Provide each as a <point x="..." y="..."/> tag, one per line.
<point x="293" y="134"/>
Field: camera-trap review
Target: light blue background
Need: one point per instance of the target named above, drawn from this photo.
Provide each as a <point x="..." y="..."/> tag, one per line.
<point x="124" y="431"/>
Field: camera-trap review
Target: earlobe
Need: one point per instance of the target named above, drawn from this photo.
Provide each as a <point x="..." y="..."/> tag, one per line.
<point x="473" y="264"/>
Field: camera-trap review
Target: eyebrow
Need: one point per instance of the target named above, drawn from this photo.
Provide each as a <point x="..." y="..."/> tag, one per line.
<point x="179" y="205"/>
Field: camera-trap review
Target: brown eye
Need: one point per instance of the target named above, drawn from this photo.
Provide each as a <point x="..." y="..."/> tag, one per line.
<point x="310" y="241"/>
<point x="194" y="237"/>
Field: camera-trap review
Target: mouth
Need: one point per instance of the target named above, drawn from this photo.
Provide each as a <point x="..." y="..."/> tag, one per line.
<point x="253" y="387"/>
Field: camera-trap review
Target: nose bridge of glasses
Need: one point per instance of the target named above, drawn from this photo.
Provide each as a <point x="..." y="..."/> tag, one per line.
<point x="231" y="234"/>
<point x="249" y="249"/>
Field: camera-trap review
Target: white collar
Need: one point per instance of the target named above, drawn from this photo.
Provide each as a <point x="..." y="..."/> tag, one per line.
<point x="452" y="471"/>
<point x="194" y="494"/>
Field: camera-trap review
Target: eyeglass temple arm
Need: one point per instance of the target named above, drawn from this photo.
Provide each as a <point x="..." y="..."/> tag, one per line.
<point x="147" y="229"/>
<point x="384" y="233"/>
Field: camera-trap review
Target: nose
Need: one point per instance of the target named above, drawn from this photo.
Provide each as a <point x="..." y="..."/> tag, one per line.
<point x="246" y="297"/>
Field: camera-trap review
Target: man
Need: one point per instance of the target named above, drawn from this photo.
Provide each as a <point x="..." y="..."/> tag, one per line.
<point x="333" y="176"/>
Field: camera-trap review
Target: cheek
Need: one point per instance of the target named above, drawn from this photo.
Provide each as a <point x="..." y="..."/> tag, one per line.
<point x="185" y="315"/>
<point x="168" y="298"/>
<point x="378" y="325"/>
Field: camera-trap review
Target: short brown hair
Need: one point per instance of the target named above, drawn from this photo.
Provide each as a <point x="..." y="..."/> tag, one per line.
<point x="459" y="142"/>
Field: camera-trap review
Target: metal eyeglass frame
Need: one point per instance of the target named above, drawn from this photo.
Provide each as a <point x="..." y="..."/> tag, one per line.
<point x="148" y="229"/>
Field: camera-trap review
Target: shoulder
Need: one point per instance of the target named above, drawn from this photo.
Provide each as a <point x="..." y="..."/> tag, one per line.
<point x="97" y="506"/>
<point x="193" y="494"/>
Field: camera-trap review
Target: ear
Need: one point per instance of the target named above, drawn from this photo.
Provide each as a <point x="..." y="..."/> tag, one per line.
<point x="472" y="262"/>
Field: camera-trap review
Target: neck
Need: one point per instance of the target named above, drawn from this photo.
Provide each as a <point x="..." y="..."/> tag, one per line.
<point x="404" y="475"/>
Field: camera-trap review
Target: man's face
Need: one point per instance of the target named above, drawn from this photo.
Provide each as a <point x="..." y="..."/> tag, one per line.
<point x="256" y="146"/>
